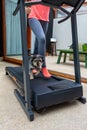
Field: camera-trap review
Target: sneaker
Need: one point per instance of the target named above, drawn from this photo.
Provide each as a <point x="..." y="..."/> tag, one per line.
<point x="46" y="73"/>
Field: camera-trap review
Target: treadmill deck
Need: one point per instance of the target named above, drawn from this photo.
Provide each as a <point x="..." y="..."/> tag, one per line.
<point x="47" y="92"/>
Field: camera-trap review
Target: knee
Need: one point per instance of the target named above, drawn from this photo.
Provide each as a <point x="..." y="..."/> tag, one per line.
<point x="42" y="39"/>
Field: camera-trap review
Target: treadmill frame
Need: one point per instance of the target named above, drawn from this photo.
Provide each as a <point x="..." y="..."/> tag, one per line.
<point x="25" y="100"/>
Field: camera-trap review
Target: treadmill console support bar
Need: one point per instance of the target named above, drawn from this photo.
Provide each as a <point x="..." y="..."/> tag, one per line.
<point x="55" y="4"/>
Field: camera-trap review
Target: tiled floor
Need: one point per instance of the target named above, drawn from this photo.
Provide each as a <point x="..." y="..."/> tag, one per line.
<point x="67" y="116"/>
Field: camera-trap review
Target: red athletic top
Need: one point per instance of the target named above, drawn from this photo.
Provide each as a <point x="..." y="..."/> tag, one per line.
<point x="39" y="12"/>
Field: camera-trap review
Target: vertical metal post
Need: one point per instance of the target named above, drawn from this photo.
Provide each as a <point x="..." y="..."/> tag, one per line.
<point x="26" y="77"/>
<point x="75" y="48"/>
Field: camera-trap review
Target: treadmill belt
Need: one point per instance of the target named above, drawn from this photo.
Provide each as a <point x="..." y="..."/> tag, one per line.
<point x="39" y="80"/>
<point x="40" y="83"/>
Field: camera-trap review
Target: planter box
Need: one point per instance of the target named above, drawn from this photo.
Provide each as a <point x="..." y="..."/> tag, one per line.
<point x="81" y="56"/>
<point x="84" y="47"/>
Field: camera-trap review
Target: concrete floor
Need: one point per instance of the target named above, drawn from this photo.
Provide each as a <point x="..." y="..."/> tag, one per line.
<point x="67" y="116"/>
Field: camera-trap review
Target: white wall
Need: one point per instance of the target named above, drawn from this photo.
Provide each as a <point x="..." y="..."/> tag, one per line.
<point x="82" y="28"/>
<point x="62" y="31"/>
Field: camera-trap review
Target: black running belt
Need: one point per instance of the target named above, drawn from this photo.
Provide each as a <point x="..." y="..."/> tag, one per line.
<point x="40" y="82"/>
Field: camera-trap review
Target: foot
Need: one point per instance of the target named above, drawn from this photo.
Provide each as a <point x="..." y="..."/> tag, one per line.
<point x="46" y="73"/>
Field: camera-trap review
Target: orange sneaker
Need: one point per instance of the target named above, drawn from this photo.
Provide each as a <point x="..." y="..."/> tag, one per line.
<point x="46" y="73"/>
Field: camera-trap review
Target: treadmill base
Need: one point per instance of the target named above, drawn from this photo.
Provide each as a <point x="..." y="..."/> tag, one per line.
<point x="48" y="92"/>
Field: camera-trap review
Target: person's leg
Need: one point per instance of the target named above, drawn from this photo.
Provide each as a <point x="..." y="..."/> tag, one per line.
<point x="44" y="25"/>
<point x="45" y="28"/>
<point x="36" y="46"/>
<point x="40" y="36"/>
<point x="40" y="46"/>
<point x="44" y="69"/>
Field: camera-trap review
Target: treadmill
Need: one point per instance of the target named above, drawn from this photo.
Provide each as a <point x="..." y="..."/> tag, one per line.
<point x="40" y="93"/>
